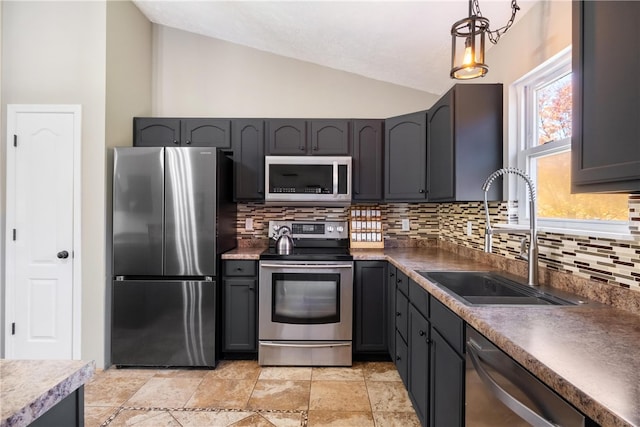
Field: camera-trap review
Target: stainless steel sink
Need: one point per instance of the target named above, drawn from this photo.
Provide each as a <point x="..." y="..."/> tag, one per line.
<point x="488" y="288"/>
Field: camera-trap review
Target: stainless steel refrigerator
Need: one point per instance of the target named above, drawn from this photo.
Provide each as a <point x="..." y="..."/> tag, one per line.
<point x="173" y="216"/>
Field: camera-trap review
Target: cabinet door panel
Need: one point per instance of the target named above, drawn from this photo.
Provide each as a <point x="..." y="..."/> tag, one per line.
<point x="406" y="157"/>
<point x="441" y="167"/>
<point x="419" y="362"/>
<point x="401" y="359"/>
<point x="391" y="308"/>
<point x="330" y="137"/>
<point x="240" y="314"/>
<point x="287" y="137"/>
<point x="156" y="132"/>
<point x="248" y="159"/>
<point x="370" y="316"/>
<point x="447" y="382"/>
<point x="367" y="153"/>
<point x="606" y="122"/>
<point x="206" y="133"/>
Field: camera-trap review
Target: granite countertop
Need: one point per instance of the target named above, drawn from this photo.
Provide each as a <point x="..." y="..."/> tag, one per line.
<point x="589" y="354"/>
<point x="29" y="388"/>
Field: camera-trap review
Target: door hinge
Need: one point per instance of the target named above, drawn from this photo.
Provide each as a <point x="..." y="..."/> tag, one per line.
<point x="13" y="328"/>
<point x="15" y="140"/>
<point x="14" y="234"/>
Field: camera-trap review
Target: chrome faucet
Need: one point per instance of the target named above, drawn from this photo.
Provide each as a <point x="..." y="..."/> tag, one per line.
<point x="532" y="254"/>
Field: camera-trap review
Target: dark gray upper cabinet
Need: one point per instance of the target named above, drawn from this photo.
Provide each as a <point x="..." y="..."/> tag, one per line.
<point x="406" y="157"/>
<point x="168" y="132"/>
<point x="366" y="152"/>
<point x="206" y="132"/>
<point x="303" y="137"/>
<point x="156" y="132"/>
<point x="606" y="102"/>
<point x="286" y="137"/>
<point x="370" y="311"/>
<point x="248" y="158"/>
<point x="465" y="143"/>
<point x="330" y="137"/>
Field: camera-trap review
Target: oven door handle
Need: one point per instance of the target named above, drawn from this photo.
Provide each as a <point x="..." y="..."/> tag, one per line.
<point x="325" y="266"/>
<point x="327" y="345"/>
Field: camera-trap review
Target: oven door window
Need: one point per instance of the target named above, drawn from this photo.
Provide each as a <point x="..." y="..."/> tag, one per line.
<point x="303" y="298"/>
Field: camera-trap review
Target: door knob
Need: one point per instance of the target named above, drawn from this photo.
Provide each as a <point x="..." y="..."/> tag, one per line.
<point x="63" y="254"/>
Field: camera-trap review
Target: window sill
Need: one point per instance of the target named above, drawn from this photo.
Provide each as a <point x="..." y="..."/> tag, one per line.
<point x="610" y="231"/>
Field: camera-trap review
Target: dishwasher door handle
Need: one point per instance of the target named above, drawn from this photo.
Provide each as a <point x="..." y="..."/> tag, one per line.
<point x="502" y="395"/>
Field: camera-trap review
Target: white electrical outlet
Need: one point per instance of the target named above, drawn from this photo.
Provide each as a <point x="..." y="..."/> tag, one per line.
<point x="469" y="228"/>
<point x="248" y="224"/>
<point x="405" y="224"/>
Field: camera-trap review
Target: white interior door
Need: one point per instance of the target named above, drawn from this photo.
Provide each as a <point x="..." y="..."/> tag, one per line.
<point x="40" y="292"/>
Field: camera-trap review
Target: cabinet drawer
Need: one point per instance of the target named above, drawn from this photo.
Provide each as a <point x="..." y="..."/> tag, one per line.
<point x="419" y="298"/>
<point x="239" y="268"/>
<point x="402" y="314"/>
<point x="450" y="326"/>
<point x="402" y="282"/>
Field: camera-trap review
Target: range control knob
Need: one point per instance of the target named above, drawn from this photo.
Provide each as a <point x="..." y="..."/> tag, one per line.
<point x="330" y="228"/>
<point x="340" y="229"/>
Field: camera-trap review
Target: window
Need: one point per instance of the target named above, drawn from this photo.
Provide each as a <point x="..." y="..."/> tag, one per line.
<point x="544" y="115"/>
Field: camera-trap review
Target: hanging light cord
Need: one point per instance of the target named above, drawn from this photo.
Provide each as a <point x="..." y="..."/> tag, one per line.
<point x="495" y="35"/>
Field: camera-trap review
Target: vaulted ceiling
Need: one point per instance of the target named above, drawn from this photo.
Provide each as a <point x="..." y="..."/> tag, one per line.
<point x="406" y="43"/>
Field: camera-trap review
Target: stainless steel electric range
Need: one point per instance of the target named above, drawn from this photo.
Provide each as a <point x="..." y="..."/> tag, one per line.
<point x="306" y="297"/>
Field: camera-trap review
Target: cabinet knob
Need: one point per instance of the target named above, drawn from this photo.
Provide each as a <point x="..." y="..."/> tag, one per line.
<point x="421" y="190"/>
<point x="421" y="333"/>
<point x="391" y="274"/>
<point x="188" y="141"/>
<point x="63" y="254"/>
<point x="399" y="280"/>
<point x="315" y="148"/>
<point x="175" y="141"/>
<point x="397" y="357"/>
<point x="301" y="148"/>
<point x="398" y="313"/>
<point x="239" y="269"/>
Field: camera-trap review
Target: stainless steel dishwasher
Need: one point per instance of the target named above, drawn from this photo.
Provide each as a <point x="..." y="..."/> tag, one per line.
<point x="500" y="392"/>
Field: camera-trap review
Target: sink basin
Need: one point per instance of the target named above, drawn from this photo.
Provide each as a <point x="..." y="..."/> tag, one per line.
<point x="488" y="288"/>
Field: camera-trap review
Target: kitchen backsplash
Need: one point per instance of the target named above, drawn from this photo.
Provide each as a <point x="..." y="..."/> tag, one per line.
<point x="616" y="262"/>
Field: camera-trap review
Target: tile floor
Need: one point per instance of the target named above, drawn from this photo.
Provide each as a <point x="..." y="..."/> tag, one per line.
<point x="241" y="393"/>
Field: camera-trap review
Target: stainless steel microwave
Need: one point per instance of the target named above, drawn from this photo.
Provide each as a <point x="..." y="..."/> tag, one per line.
<point x="308" y="180"/>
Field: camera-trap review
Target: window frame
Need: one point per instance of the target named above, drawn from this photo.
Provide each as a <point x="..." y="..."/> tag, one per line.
<point x="527" y="151"/>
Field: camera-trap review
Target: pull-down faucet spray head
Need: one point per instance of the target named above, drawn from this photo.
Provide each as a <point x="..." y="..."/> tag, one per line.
<point x="532" y="257"/>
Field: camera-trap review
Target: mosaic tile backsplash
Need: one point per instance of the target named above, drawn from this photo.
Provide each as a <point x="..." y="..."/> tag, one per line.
<point x="616" y="262"/>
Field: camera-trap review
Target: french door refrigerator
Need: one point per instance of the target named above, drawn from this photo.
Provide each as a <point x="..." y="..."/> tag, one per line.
<point x="173" y="215"/>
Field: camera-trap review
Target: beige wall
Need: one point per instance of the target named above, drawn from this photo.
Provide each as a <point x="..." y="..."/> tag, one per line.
<point x="128" y="94"/>
<point x="98" y="55"/>
<point x="54" y="53"/>
<point x="200" y="76"/>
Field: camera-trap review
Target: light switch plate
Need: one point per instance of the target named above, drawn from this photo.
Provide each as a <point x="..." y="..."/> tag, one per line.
<point x="469" y="228"/>
<point x="405" y="224"/>
<point x="248" y="224"/>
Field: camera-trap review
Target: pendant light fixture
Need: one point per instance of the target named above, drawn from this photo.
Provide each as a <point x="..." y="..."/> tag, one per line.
<point x="468" y="42"/>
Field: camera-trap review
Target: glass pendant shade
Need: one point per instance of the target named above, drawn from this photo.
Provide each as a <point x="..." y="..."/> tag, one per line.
<point x="467" y="48"/>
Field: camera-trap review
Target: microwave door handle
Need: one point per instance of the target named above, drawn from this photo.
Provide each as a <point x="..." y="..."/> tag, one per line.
<point x="502" y="395"/>
<point x="335" y="178"/>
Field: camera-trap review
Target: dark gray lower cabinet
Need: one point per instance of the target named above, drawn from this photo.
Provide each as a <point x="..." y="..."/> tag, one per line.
<point x="428" y="350"/>
<point x="419" y="363"/>
<point x="239" y="293"/>
<point x="447" y="384"/>
<point x="69" y="412"/>
<point x="370" y="308"/>
<point x="391" y="309"/>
